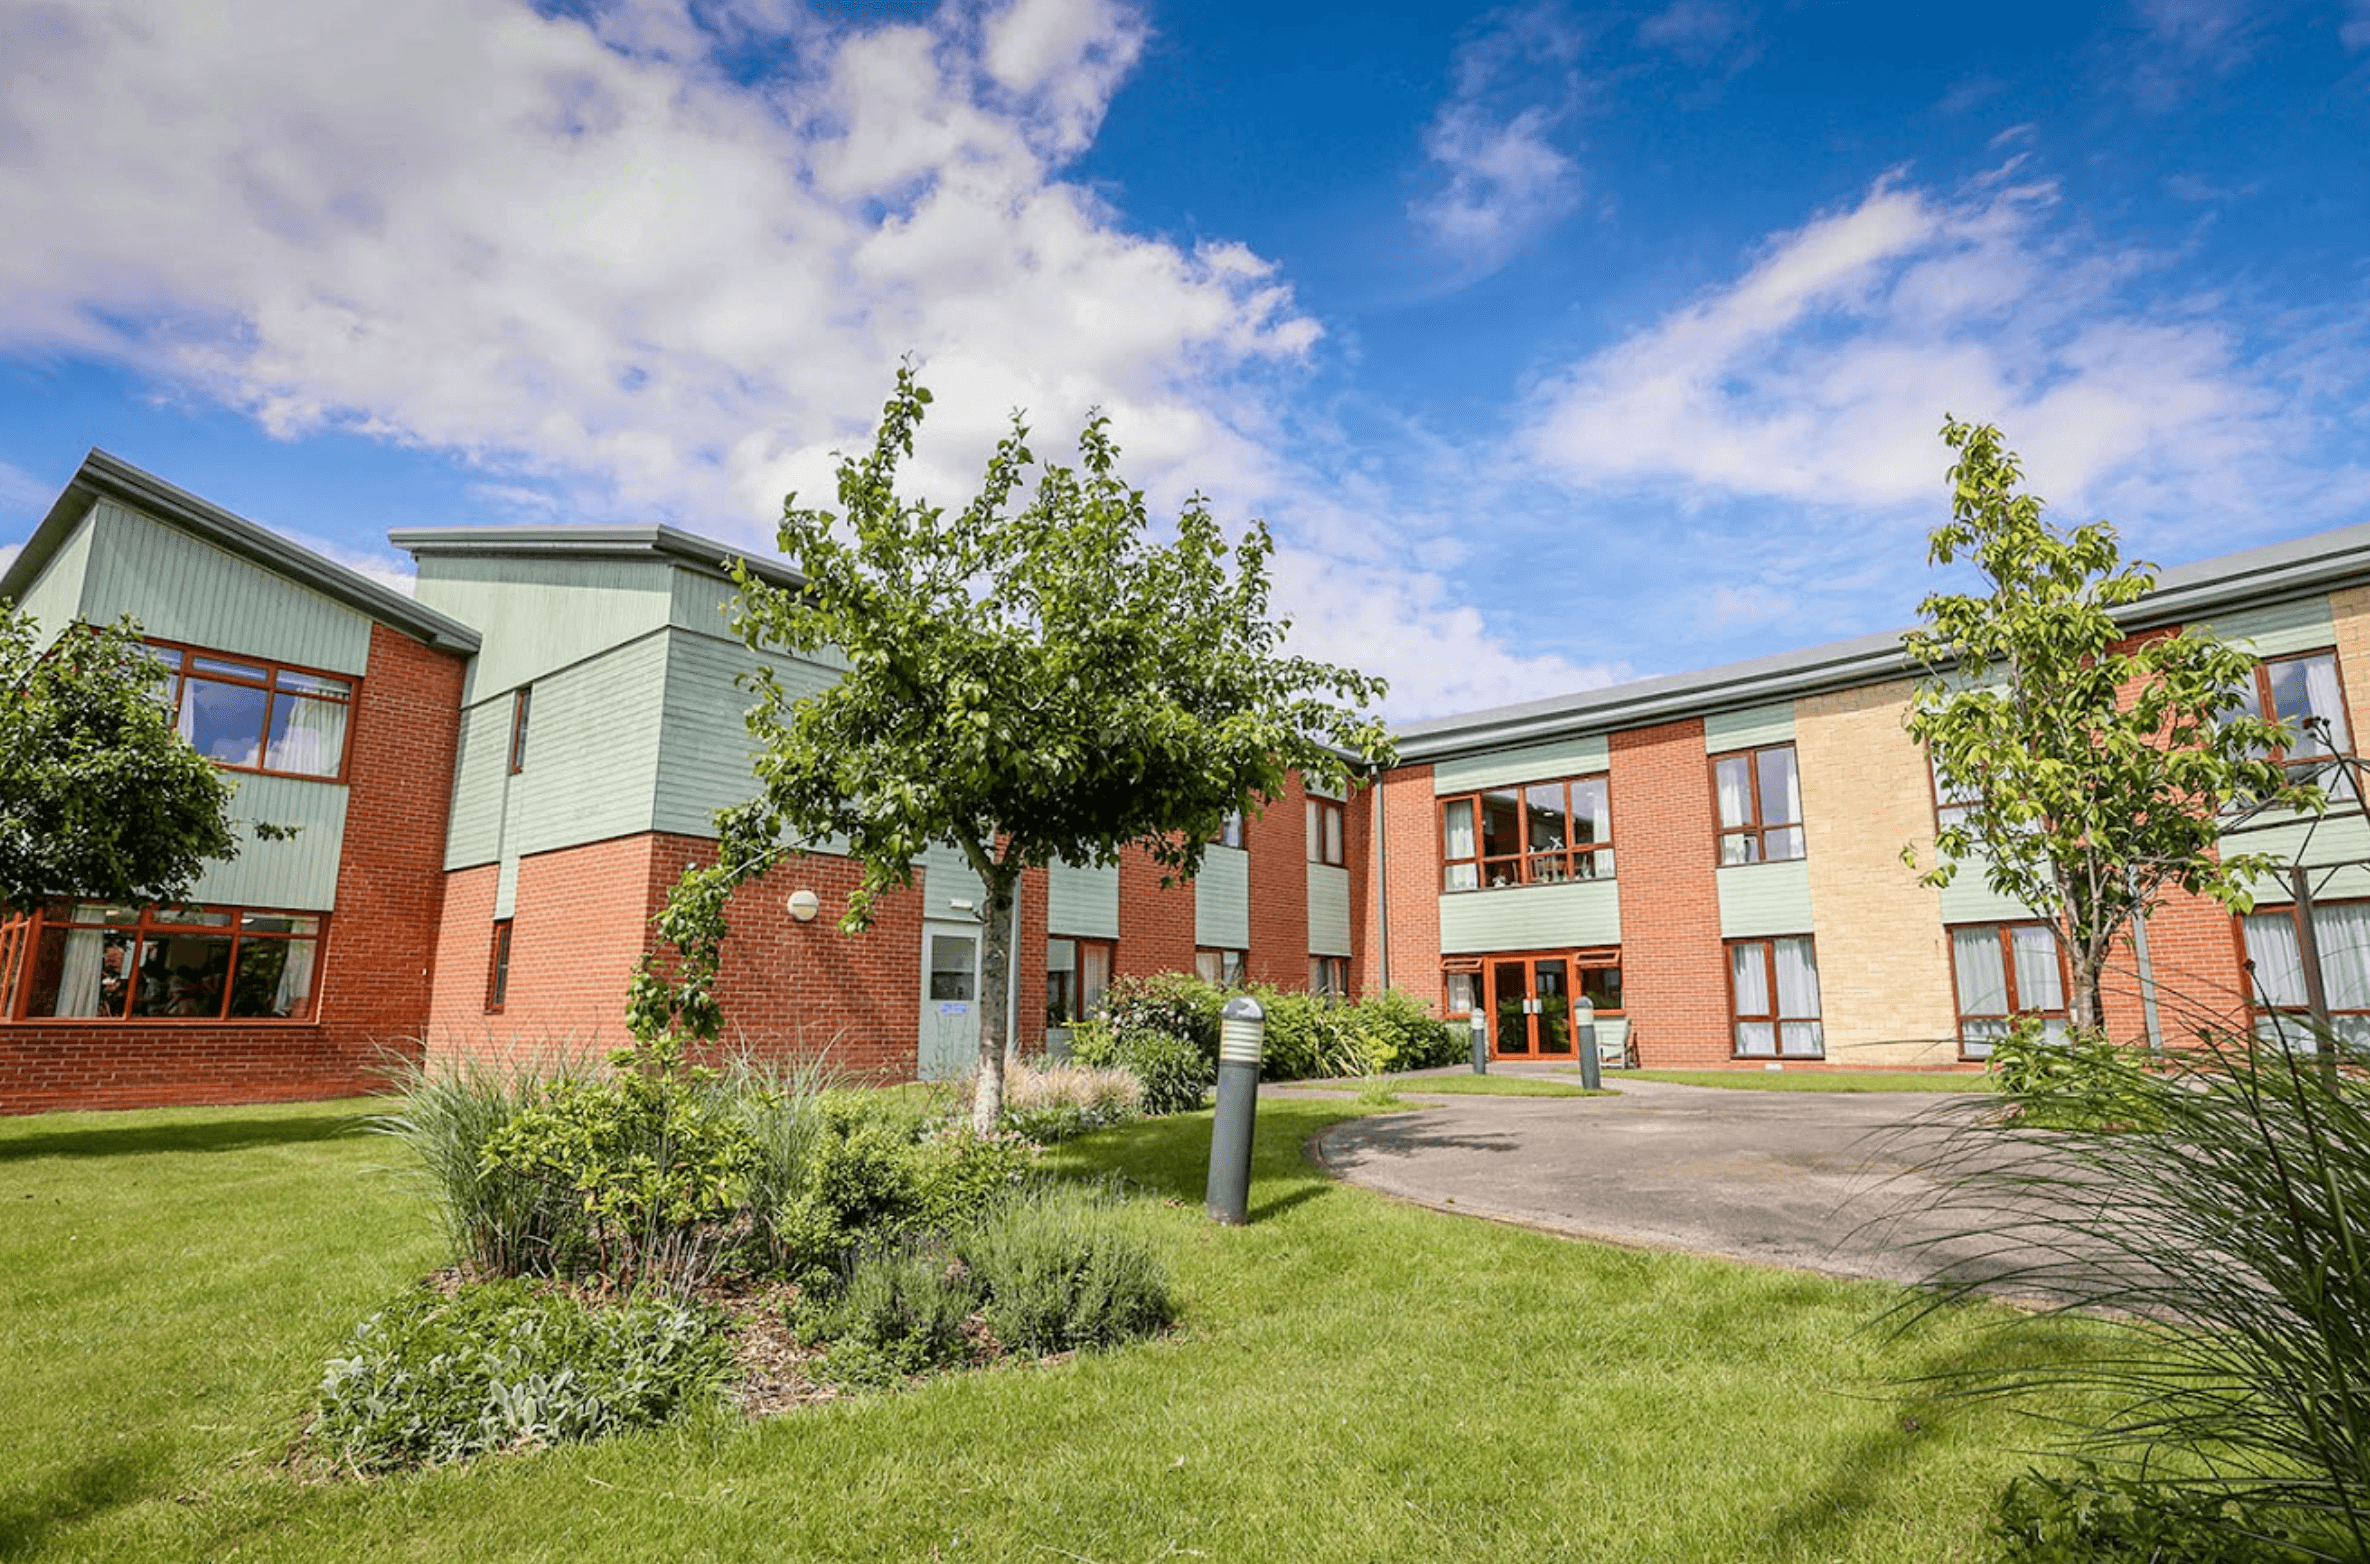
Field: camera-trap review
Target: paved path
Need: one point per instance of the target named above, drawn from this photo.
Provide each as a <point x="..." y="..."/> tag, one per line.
<point x="1825" y="1181"/>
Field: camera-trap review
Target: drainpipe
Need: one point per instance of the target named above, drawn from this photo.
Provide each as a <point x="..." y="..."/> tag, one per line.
<point x="1382" y="880"/>
<point x="2139" y="950"/>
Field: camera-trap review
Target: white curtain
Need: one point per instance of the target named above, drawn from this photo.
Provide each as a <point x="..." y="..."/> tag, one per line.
<point x="1734" y="779"/>
<point x="1781" y="787"/>
<point x="1799" y="1031"/>
<point x="2343" y="931"/>
<point x="1983" y="977"/>
<point x="2279" y="964"/>
<point x="2323" y="697"/>
<point x="2039" y="982"/>
<point x="308" y="736"/>
<point x="1456" y="832"/>
<point x="296" y="980"/>
<point x="1094" y="975"/>
<point x="1749" y="971"/>
<point x="78" y="977"/>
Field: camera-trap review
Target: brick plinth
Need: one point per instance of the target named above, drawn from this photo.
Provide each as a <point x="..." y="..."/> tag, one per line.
<point x="1673" y="972"/>
<point x="375" y="973"/>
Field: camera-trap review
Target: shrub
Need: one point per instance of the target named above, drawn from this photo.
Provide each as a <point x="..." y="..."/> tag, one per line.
<point x="1058" y="1277"/>
<point x="1173" y="1005"/>
<point x="2096" y="1517"/>
<point x="1174" y="1075"/>
<point x="1405" y="1035"/>
<point x="900" y="1311"/>
<point x="1052" y="1102"/>
<point x="2082" y="1082"/>
<point x="503" y="1221"/>
<point x="656" y="1156"/>
<point x="500" y="1367"/>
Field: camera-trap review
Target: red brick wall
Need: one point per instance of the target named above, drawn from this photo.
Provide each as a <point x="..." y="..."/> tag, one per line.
<point x="1030" y="937"/>
<point x="1155" y="922"/>
<point x="373" y="982"/>
<point x="1277" y="839"/>
<point x="1673" y="973"/>
<point x="1410" y="833"/>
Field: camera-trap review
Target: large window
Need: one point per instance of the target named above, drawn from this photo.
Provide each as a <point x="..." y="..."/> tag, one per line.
<point x="1076" y="973"/>
<point x="2003" y="971"/>
<point x="1324" y="831"/>
<point x="1760" y="804"/>
<point x="248" y="715"/>
<point x="1773" y="994"/>
<point x="1223" y="967"/>
<point x="2278" y="996"/>
<point x="91" y="961"/>
<point x="2306" y="693"/>
<point x="1541" y="833"/>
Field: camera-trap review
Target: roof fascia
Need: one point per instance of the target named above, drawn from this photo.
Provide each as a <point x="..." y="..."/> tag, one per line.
<point x="608" y="541"/>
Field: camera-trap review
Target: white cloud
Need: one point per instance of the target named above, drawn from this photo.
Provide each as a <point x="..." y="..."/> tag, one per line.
<point x="588" y="259"/>
<point x="8" y="554"/>
<point x="2354" y="31"/>
<point x="1818" y="378"/>
<point x="1501" y="177"/>
<point x="23" y="495"/>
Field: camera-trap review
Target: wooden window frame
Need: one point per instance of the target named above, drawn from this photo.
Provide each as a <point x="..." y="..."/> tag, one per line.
<point x="177" y="679"/>
<point x="1526" y="861"/>
<point x="1327" y="847"/>
<point x="1242" y="964"/>
<point x="2261" y="675"/>
<point x="2017" y="1009"/>
<point x="1776" y="1019"/>
<point x="17" y="997"/>
<point x="1321" y="968"/>
<point x="1079" y="943"/>
<point x="2256" y="1009"/>
<point x="1757" y="830"/>
<point x="498" y="967"/>
<point x="521" y="700"/>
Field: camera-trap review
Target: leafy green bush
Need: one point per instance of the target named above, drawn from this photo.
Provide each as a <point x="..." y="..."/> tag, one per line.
<point x="504" y="1222"/>
<point x="2083" y="1082"/>
<point x="655" y="1155"/>
<point x="1059" y="1277"/>
<point x="1405" y="1035"/>
<point x="1175" y="1005"/>
<point x="1175" y="1076"/>
<point x="2096" y="1517"/>
<point x="899" y="1312"/>
<point x="500" y="1367"/>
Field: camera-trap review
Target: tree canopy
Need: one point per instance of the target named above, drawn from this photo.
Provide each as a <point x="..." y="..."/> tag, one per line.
<point x="2088" y="769"/>
<point x="99" y="797"/>
<point x="1030" y="679"/>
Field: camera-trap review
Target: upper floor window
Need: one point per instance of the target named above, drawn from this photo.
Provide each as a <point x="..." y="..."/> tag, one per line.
<point x="1760" y="803"/>
<point x="2305" y="693"/>
<point x="2003" y="971"/>
<point x="1324" y="831"/>
<point x="1229" y="833"/>
<point x="245" y="714"/>
<point x="92" y="961"/>
<point x="1951" y="805"/>
<point x="1541" y="833"/>
<point x="519" y="704"/>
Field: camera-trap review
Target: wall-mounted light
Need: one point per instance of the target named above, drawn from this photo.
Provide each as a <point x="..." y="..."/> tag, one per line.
<point x="803" y="906"/>
<point x="959" y="906"/>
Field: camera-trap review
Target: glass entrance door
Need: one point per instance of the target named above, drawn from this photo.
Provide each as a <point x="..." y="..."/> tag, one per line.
<point x="1531" y="1007"/>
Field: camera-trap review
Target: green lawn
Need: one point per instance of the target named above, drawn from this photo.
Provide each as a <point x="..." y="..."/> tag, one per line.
<point x="1355" y="1379"/>
<point x="1465" y="1086"/>
<point x="1815" y="1080"/>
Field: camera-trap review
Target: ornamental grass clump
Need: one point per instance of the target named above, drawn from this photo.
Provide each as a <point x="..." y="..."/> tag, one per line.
<point x="501" y="1221"/>
<point x="1049" y="1103"/>
<point x="2218" y="1224"/>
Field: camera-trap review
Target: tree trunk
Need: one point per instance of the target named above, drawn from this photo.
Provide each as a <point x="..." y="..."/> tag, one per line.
<point x="2087" y="1011"/>
<point x="995" y="999"/>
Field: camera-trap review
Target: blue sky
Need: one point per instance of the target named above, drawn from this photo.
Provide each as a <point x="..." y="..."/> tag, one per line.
<point x="1558" y="345"/>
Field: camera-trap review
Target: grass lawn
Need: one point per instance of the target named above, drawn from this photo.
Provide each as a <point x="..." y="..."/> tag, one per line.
<point x="1355" y="1379"/>
<point x="1465" y="1086"/>
<point x="1816" y="1080"/>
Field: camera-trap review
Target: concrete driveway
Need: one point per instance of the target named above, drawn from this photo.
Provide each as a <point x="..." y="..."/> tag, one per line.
<point x="1822" y="1181"/>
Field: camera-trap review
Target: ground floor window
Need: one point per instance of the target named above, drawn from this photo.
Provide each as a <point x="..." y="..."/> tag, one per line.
<point x="93" y="962"/>
<point x="1223" y="967"/>
<point x="2003" y="971"/>
<point x="1076" y="973"/>
<point x="2278" y="999"/>
<point x="1773" y="995"/>
<point x="1329" y="975"/>
<point x="498" y="969"/>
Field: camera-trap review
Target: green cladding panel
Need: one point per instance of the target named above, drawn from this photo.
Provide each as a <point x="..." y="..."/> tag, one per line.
<point x="183" y="590"/>
<point x="1529" y="763"/>
<point x="947" y="878"/>
<point x="1750" y="728"/>
<point x="540" y="615"/>
<point x="591" y="766"/>
<point x="1532" y="917"/>
<point x="705" y="759"/>
<point x="1082" y="901"/>
<point x="1764" y="898"/>
<point x="55" y="596"/>
<point x="299" y="873"/>
<point x="1969" y="898"/>
<point x="2330" y="849"/>
<point x="1222" y="900"/>
<point x="481" y="780"/>
<point x="1328" y="910"/>
<point x="2302" y="626"/>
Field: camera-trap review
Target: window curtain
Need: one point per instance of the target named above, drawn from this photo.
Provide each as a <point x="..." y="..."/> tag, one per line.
<point x="2039" y="984"/>
<point x="1749" y="971"/>
<point x="295" y="994"/>
<point x="308" y="737"/>
<point x="2325" y="701"/>
<point x="78" y="977"/>
<point x="1799" y="1031"/>
<point x="1781" y="787"/>
<point x="1734" y="780"/>
<point x="1094" y="975"/>
<point x="1457" y="826"/>
<point x="1983" y="977"/>
<point x="2279" y="963"/>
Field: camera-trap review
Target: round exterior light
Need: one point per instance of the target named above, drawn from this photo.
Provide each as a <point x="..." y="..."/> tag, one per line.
<point x="803" y="906"/>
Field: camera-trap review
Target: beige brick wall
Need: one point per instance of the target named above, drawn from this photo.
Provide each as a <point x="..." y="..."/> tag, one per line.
<point x="1884" y="964"/>
<point x="2350" y="611"/>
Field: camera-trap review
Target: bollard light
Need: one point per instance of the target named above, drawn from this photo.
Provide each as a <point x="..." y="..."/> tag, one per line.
<point x="1480" y="1041"/>
<point x="1591" y="1070"/>
<point x="1242" y="1032"/>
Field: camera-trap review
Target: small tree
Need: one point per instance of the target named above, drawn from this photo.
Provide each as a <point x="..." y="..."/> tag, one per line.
<point x="1025" y="685"/>
<point x="99" y="797"/>
<point x="2094" y="766"/>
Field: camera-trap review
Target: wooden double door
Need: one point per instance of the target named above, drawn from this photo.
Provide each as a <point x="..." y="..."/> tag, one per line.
<point x="1530" y="998"/>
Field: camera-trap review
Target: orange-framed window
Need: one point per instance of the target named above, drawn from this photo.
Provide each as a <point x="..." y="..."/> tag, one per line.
<point x="1757" y="794"/>
<point x="2306" y="692"/>
<point x="1223" y="967"/>
<point x="252" y="714"/>
<point x="1324" y="831"/>
<point x="1329" y="976"/>
<point x="498" y="968"/>
<point x="2003" y="971"/>
<point x="1773" y="996"/>
<point x="1076" y="973"/>
<point x="1538" y="833"/>
<point x="2277" y="995"/>
<point x="1229" y="832"/>
<point x="89" y="961"/>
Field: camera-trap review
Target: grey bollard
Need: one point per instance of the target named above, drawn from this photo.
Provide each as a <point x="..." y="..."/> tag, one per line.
<point x="1242" y="1030"/>
<point x="1480" y="1040"/>
<point x="1592" y="1077"/>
